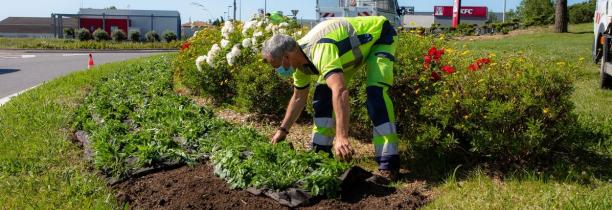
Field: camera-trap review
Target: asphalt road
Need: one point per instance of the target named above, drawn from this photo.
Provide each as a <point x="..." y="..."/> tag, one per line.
<point x="20" y="70"/>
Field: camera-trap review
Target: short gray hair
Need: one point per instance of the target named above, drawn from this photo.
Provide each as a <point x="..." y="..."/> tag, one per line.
<point x="278" y="45"/>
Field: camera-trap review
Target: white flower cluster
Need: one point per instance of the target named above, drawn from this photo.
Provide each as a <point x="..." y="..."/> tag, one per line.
<point x="231" y="56"/>
<point x="228" y="28"/>
<point x="199" y="62"/>
<point x="252" y="32"/>
<point x="248" y="26"/>
<point x="281" y="28"/>
<point x="224" y="43"/>
<point x="214" y="50"/>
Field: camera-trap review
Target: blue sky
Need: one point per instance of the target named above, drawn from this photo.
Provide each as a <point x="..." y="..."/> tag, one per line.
<point x="215" y="8"/>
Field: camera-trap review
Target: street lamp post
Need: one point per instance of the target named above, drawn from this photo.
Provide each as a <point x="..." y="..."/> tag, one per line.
<point x="228" y="12"/>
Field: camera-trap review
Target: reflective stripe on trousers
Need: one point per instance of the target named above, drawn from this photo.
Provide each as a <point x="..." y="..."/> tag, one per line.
<point x="380" y="110"/>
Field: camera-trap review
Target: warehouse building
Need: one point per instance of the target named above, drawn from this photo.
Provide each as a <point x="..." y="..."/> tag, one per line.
<point x="30" y="27"/>
<point x="126" y="20"/>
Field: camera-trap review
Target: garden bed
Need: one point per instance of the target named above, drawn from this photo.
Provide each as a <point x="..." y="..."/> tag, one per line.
<point x="198" y="188"/>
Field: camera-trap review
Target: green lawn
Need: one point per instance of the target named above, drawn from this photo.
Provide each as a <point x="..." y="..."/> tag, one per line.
<point x="533" y="190"/>
<point x="39" y="167"/>
<point x="72" y="44"/>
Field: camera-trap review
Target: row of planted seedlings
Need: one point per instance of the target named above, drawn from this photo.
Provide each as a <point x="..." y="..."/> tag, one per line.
<point x="134" y="120"/>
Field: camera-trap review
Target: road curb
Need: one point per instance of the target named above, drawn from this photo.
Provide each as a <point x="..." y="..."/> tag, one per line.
<point x="8" y="98"/>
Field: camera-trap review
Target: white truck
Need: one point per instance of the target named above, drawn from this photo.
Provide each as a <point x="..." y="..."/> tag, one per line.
<point x="353" y="8"/>
<point x="602" y="42"/>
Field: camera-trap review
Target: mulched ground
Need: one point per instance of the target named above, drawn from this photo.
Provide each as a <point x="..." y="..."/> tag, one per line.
<point x="198" y="188"/>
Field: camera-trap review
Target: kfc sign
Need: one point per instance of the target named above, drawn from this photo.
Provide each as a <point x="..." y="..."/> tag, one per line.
<point x="447" y="11"/>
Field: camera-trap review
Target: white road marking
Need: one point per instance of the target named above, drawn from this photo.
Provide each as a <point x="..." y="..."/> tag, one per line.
<point x="17" y="56"/>
<point x="74" y="54"/>
<point x="8" y="98"/>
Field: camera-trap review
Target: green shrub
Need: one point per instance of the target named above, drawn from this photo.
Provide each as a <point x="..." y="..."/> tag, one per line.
<point x="152" y="36"/>
<point x="69" y="33"/>
<point x="505" y="31"/>
<point x="83" y="34"/>
<point x="100" y="35"/>
<point x="134" y="35"/>
<point x="582" y="12"/>
<point x="466" y="29"/>
<point x="257" y="82"/>
<point x="119" y="35"/>
<point x="170" y="36"/>
<point x="509" y="113"/>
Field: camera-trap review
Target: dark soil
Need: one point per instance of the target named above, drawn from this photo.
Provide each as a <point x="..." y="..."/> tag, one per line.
<point x="198" y="188"/>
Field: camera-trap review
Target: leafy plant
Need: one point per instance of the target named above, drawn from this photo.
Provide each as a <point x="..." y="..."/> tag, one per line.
<point x="134" y="35"/>
<point x="100" y="35"/>
<point x="119" y="35"/>
<point x="152" y="36"/>
<point x="169" y="36"/>
<point x="83" y="34"/>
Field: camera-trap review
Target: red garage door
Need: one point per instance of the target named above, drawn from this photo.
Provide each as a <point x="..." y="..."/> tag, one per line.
<point x="95" y="23"/>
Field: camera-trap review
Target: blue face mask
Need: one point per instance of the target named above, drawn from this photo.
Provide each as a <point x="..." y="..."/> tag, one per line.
<point x="285" y="72"/>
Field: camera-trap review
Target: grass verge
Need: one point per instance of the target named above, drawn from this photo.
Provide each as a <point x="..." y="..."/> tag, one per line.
<point x="72" y="44"/>
<point x="39" y="168"/>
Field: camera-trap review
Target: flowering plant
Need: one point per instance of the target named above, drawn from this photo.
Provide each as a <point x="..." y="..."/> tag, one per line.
<point x="432" y="63"/>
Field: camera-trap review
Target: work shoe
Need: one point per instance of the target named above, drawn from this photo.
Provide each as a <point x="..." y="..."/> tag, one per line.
<point x="391" y="175"/>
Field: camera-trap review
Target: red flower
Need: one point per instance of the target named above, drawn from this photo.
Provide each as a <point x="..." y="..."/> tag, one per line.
<point x="483" y="61"/>
<point x="432" y="51"/>
<point x="435" y="76"/>
<point x="474" y="67"/>
<point x="427" y="59"/>
<point x="438" y="54"/>
<point x="448" y="69"/>
<point x="185" y="45"/>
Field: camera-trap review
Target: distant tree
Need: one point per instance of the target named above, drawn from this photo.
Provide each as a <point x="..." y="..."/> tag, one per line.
<point x="511" y="15"/>
<point x="582" y="12"/>
<point x="111" y="7"/>
<point x="536" y="12"/>
<point x="492" y="18"/>
<point x="561" y="16"/>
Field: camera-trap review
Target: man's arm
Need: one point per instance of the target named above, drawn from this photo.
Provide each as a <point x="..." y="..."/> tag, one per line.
<point x="340" y="101"/>
<point x="294" y="109"/>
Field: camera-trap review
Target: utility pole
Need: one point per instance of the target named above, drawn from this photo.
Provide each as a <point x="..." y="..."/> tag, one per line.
<point x="234" y="9"/>
<point x="265" y="7"/>
<point x="504" y="15"/>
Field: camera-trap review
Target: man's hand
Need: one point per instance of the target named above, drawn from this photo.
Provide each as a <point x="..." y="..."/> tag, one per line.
<point x="343" y="149"/>
<point x="279" y="136"/>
